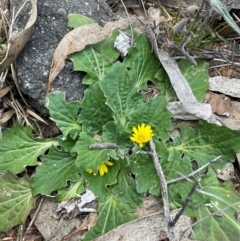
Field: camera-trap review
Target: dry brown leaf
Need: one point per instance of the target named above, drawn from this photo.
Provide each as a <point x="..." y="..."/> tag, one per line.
<point x="220" y="104"/>
<point x="88" y="222"/>
<point x="17" y="43"/>
<point x="6" y="116"/>
<point x="5" y="90"/>
<point x="78" y="38"/>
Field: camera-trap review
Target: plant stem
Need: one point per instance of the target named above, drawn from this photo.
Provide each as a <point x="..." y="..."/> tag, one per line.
<point x="163" y="184"/>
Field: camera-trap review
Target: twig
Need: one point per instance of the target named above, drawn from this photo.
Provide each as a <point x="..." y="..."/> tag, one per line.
<point x="20" y="232"/>
<point x="163" y="184"/>
<point x="14" y="18"/>
<point x="33" y="219"/>
<point x="178" y="215"/>
<point x="194" y="172"/>
<point x="210" y="215"/>
<point x="144" y="152"/>
<point x="103" y="146"/>
<point x="130" y="25"/>
<point x="14" y="76"/>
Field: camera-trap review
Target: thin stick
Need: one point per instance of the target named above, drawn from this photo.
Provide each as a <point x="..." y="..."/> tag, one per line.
<point x="33" y="219"/>
<point x="14" y="76"/>
<point x="194" y="172"/>
<point x="174" y="221"/>
<point x="163" y="184"/>
<point x="130" y="25"/>
<point x="103" y="146"/>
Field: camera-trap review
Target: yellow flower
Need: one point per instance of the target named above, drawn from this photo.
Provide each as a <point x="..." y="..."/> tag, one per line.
<point x="89" y="170"/>
<point x="102" y="168"/>
<point x="142" y="134"/>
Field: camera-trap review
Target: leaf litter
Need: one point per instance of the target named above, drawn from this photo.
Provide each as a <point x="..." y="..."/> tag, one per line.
<point x="176" y="89"/>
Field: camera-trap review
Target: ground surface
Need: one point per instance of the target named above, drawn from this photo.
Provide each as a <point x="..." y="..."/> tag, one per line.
<point x="221" y="51"/>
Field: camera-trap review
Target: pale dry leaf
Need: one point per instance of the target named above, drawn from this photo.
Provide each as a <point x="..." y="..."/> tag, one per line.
<point x="190" y="110"/>
<point x="227" y="173"/>
<point x="77" y="39"/>
<point x="123" y="42"/>
<point x="147" y="229"/>
<point x="17" y="43"/>
<point x="225" y="85"/>
<point x="5" y="90"/>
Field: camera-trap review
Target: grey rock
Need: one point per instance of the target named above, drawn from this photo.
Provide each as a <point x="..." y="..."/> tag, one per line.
<point x="34" y="62"/>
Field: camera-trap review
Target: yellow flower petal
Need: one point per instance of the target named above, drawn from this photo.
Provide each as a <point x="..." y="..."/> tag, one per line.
<point x="89" y="170"/>
<point x="109" y="163"/>
<point x="102" y="169"/>
<point x="142" y="134"/>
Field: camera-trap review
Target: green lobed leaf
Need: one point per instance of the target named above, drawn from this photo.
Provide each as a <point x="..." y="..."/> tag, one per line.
<point x="218" y="5"/>
<point x="141" y="62"/>
<point x="16" y="200"/>
<point x="126" y="188"/>
<point x="206" y="142"/>
<point x="66" y="143"/>
<point x="57" y="168"/>
<point x="90" y="158"/>
<point x="142" y="174"/>
<point x="163" y="83"/>
<point x="112" y="213"/>
<point x="96" y="59"/>
<point x="64" y="114"/>
<point x="224" y="226"/>
<point x="121" y="96"/>
<point x="70" y="192"/>
<point x="95" y="113"/>
<point x="76" y="20"/>
<point x="153" y="113"/>
<point x="196" y="75"/>
<point x="18" y="149"/>
<point x="115" y="133"/>
<point x="99" y="184"/>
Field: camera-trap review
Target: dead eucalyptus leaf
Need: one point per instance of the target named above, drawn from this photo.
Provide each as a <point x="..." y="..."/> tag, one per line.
<point x="190" y="110"/>
<point x="180" y="84"/>
<point x="5" y="90"/>
<point x="77" y="39"/>
<point x="147" y="229"/>
<point x="17" y="43"/>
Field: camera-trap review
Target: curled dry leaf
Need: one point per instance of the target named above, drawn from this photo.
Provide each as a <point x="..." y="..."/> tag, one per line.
<point x="17" y="43"/>
<point x="78" y="38"/>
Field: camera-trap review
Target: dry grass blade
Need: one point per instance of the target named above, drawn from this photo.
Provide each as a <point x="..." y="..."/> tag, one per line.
<point x="5" y="90"/>
<point x="33" y="114"/>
